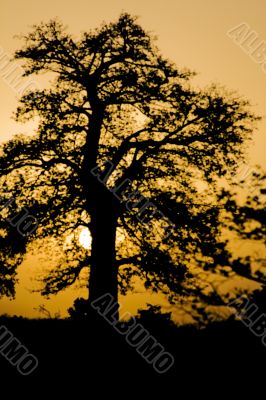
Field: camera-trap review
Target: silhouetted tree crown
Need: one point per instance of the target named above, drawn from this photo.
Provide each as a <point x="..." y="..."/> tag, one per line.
<point x="117" y="114"/>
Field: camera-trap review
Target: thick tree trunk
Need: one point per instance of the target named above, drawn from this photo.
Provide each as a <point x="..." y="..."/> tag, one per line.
<point x="102" y="207"/>
<point x="103" y="271"/>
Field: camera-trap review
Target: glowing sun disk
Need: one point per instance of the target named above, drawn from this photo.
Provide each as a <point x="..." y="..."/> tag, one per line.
<point x="85" y="238"/>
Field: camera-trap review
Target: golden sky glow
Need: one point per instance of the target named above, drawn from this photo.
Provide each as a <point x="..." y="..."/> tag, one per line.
<point x="191" y="33"/>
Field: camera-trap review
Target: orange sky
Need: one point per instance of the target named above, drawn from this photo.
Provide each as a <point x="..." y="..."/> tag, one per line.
<point x="191" y="33"/>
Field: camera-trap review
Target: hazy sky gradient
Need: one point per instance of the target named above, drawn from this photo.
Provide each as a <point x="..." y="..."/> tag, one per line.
<point x="191" y="33"/>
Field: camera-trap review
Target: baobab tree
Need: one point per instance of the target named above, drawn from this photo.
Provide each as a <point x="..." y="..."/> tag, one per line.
<point x="121" y="146"/>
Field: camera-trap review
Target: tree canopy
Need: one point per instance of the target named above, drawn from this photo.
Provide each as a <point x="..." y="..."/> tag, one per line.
<point x="117" y="117"/>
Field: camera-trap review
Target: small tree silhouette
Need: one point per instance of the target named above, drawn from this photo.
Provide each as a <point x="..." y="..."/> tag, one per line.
<point x="79" y="310"/>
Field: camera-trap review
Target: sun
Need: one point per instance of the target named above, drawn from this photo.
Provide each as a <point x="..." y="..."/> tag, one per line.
<point x="85" y="238"/>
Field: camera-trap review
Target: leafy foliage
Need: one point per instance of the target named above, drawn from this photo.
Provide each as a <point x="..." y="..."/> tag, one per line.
<point x="114" y="98"/>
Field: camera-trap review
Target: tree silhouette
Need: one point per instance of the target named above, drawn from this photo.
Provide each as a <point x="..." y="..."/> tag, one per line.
<point x="248" y="221"/>
<point x="122" y="142"/>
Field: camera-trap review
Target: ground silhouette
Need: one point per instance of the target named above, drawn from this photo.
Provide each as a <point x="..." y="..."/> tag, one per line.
<point x="73" y="353"/>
